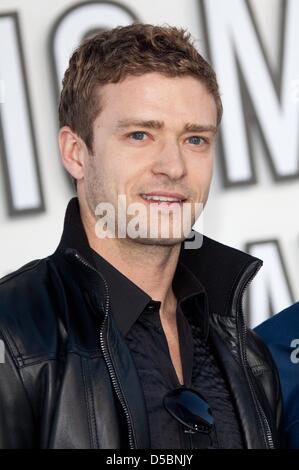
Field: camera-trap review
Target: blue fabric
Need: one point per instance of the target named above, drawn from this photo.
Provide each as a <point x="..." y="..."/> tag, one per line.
<point x="281" y="334"/>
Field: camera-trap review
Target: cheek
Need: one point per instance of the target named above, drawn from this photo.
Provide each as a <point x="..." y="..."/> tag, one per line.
<point x="117" y="178"/>
<point x="209" y="174"/>
<point x="203" y="171"/>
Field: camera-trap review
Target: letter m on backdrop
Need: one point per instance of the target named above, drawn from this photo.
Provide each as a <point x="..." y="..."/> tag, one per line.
<point x="252" y="92"/>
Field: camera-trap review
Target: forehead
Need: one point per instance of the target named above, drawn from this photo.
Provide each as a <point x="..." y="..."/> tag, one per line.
<point x="155" y="96"/>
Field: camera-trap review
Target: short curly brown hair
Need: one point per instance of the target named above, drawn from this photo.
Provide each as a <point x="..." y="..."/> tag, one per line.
<point x="111" y="56"/>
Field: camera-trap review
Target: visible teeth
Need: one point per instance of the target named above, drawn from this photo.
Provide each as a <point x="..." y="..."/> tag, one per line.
<point x="161" y="198"/>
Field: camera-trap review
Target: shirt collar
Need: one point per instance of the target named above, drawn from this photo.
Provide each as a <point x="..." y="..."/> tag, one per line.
<point x="124" y="292"/>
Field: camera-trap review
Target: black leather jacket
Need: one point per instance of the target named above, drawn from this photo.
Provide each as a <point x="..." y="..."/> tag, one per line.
<point x="68" y="380"/>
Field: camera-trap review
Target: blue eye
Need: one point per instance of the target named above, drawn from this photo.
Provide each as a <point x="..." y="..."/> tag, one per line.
<point x="138" y="135"/>
<point x="196" y="140"/>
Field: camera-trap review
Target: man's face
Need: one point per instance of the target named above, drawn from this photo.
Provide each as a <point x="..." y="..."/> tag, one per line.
<point x="154" y="136"/>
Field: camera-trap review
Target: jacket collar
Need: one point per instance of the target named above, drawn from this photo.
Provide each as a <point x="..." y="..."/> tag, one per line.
<point x="223" y="271"/>
<point x="217" y="267"/>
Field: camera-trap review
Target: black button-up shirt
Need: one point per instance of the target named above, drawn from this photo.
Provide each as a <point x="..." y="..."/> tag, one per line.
<point x="137" y="317"/>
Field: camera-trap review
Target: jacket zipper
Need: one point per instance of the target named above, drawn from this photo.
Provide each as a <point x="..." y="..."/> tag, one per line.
<point x="267" y="434"/>
<point x="107" y="358"/>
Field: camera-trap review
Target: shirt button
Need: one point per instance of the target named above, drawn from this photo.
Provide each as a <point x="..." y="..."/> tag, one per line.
<point x="154" y="305"/>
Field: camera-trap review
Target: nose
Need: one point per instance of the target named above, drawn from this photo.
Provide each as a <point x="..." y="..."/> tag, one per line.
<point x="170" y="161"/>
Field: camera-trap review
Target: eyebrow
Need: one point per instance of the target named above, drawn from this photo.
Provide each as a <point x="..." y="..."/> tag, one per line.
<point x="157" y="125"/>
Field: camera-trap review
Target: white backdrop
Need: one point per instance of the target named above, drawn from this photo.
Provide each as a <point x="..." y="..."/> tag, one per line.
<point x="236" y="216"/>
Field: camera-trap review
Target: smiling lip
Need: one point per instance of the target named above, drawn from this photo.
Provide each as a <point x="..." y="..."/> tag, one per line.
<point x="179" y="196"/>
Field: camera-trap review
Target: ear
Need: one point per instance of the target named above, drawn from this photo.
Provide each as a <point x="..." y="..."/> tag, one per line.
<point x="72" y="150"/>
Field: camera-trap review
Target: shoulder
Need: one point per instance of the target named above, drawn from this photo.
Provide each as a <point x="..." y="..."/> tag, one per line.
<point x="27" y="316"/>
<point x="280" y="328"/>
<point x="25" y="283"/>
<point x="281" y="335"/>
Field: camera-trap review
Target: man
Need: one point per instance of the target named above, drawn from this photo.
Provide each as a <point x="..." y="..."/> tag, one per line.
<point x="124" y="341"/>
<point x="281" y="334"/>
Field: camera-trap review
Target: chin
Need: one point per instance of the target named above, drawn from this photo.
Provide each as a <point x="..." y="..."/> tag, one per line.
<point x="159" y="241"/>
